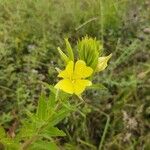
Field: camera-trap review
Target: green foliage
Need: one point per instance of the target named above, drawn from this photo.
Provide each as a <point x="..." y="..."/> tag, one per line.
<point x="113" y="13"/>
<point x="40" y="145"/>
<point x="31" y="31"/>
<point x="2" y="132"/>
<point x="88" y="50"/>
<point x="39" y="127"/>
<point x="42" y="109"/>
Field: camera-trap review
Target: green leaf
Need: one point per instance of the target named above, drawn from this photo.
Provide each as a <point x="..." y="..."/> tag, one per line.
<point x="27" y="130"/>
<point x="51" y="101"/>
<point x="43" y="145"/>
<point x="69" y="50"/>
<point x="31" y="116"/>
<point x="97" y="87"/>
<point x="59" y="116"/>
<point x="52" y="132"/>
<point x="10" y="144"/>
<point x="42" y="112"/>
<point x="2" y="132"/>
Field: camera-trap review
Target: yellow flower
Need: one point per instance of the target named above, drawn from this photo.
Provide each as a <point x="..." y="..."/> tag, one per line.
<point x="102" y="63"/>
<point x="74" y="77"/>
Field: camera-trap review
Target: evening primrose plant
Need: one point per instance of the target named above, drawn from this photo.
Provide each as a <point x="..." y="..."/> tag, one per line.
<point x="37" y="131"/>
<point x="88" y="63"/>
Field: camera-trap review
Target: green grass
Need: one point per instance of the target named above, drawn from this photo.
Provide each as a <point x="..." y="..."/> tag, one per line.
<point x="113" y="118"/>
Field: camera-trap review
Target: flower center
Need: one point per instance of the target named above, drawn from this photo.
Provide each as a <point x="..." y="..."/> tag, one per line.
<point x="73" y="80"/>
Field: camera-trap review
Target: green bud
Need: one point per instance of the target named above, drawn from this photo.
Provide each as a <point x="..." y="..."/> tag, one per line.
<point x="69" y="56"/>
<point x="63" y="56"/>
<point x="89" y="50"/>
<point x="69" y="50"/>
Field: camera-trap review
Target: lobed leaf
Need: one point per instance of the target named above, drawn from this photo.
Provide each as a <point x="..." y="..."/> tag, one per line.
<point x="42" y="112"/>
<point x="43" y="145"/>
<point x="50" y="131"/>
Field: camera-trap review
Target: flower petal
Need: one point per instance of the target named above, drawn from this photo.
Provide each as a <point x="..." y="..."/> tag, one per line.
<point x="81" y="70"/>
<point x="102" y="62"/>
<point x="80" y="85"/>
<point x="68" y="72"/>
<point x="65" y="85"/>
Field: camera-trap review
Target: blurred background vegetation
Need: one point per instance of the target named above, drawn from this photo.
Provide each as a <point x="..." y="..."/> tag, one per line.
<point x="31" y="31"/>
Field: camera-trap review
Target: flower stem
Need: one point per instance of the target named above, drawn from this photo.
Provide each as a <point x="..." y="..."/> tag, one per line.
<point x="105" y="130"/>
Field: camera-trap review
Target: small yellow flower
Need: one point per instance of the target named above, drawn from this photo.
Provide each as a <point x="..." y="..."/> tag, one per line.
<point x="102" y="63"/>
<point x="74" y="77"/>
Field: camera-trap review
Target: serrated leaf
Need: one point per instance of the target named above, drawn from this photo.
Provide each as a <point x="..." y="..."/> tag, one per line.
<point x="59" y="116"/>
<point x="27" y="130"/>
<point x="52" y="132"/>
<point x="31" y="116"/>
<point x="10" y="144"/>
<point x="43" y="145"/>
<point x="51" y="101"/>
<point x="42" y="112"/>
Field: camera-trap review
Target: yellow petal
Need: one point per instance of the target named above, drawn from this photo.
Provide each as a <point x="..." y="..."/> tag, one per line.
<point x="68" y="72"/>
<point x="81" y="70"/>
<point x="65" y="85"/>
<point x="102" y="62"/>
<point x="80" y="85"/>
